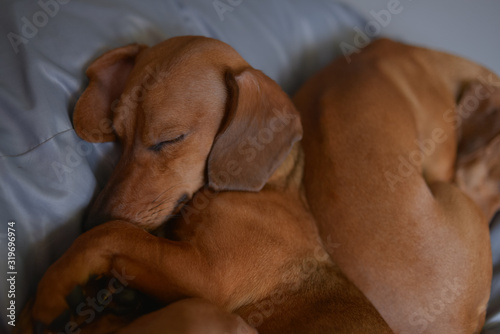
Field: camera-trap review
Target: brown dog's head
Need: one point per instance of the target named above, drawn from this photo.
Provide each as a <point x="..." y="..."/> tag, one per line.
<point x="187" y="112"/>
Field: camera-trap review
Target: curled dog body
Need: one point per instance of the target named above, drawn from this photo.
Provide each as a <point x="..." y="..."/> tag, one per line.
<point x="213" y="151"/>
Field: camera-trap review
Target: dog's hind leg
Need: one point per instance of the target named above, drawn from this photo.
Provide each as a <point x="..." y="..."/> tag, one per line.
<point x="478" y="156"/>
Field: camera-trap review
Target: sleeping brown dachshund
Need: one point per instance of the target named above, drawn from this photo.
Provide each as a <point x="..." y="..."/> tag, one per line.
<point x="197" y="124"/>
<point x="211" y="145"/>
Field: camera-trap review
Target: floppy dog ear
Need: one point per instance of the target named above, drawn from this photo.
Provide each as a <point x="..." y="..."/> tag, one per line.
<point x="107" y="78"/>
<point x="260" y="127"/>
<point x="478" y="158"/>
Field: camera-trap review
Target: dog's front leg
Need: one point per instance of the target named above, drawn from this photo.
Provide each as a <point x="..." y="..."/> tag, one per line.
<point x="158" y="267"/>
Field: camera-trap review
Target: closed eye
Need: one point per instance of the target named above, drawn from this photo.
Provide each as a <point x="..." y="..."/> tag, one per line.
<point x="160" y="145"/>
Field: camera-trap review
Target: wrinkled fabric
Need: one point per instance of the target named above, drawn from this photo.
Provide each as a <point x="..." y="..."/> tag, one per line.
<point x="492" y="325"/>
<point x="48" y="176"/>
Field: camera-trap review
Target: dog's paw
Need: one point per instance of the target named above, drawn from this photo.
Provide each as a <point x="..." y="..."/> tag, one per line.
<point x="101" y="305"/>
<point x="50" y="306"/>
<point x="58" y="288"/>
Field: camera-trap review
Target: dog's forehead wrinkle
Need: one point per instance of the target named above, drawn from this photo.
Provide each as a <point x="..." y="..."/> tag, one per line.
<point x="185" y="86"/>
<point x="200" y="47"/>
<point x="194" y="55"/>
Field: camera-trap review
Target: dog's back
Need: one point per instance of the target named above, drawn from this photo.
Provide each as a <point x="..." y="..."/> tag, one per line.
<point x="381" y="145"/>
